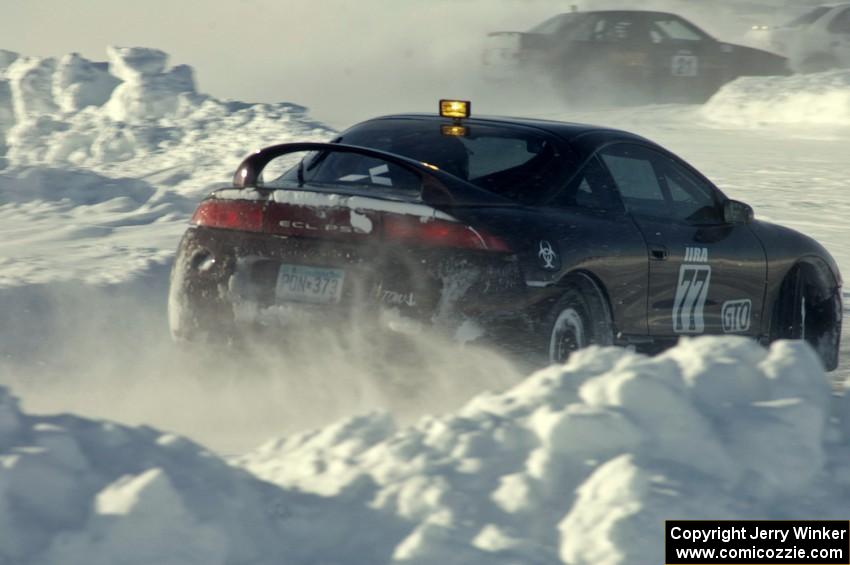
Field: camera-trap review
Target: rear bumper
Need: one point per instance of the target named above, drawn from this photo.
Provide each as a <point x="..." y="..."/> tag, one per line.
<point x="225" y="280"/>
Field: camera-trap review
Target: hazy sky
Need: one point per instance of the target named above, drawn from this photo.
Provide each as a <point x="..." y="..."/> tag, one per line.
<point x="346" y="59"/>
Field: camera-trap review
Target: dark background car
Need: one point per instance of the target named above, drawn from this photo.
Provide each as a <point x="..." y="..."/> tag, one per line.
<point x="627" y="56"/>
<point x="547" y="236"/>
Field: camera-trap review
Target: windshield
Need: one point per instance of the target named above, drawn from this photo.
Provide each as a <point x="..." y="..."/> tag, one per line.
<point x="809" y="17"/>
<point x="517" y="163"/>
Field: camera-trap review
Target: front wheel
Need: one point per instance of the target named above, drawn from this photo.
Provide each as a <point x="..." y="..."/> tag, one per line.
<point x="578" y="319"/>
<point x="809" y="309"/>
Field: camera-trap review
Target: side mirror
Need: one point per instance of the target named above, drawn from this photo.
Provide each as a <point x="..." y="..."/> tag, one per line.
<point x="735" y="212"/>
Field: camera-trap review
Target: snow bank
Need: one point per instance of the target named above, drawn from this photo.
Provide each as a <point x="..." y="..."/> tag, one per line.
<point x="79" y="225"/>
<point x="80" y="491"/>
<point x="132" y="114"/>
<point x="819" y="99"/>
<point x="72" y="133"/>
<point x="84" y="492"/>
<point x="577" y="464"/>
<point x="582" y="463"/>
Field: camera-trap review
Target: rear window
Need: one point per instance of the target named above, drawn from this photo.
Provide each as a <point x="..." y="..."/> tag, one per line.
<point x="518" y="163"/>
<point x="556" y="23"/>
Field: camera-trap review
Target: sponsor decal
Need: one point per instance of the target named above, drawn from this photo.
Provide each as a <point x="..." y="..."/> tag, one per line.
<point x="685" y="65"/>
<point x="736" y="315"/>
<point x="394" y="298"/>
<point x="547" y="255"/>
<point x="374" y="176"/>
<point x="398" y="298"/>
<point x="689" y="305"/>
<point x="696" y="255"/>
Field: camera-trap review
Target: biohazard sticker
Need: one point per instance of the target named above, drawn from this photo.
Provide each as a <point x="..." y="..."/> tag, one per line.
<point x="691" y="292"/>
<point x="548" y="256"/>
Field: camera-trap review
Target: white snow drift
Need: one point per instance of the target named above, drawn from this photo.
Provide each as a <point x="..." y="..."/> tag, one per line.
<point x="577" y="464"/>
<point x="132" y="115"/>
<point x="821" y="99"/>
<point x="71" y="133"/>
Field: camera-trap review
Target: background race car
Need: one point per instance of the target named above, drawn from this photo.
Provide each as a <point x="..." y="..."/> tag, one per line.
<point x="625" y="56"/>
<point x="816" y="41"/>
<point x="544" y="236"/>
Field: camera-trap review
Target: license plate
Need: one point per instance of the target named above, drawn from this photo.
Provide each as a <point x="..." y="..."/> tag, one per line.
<point x="316" y="285"/>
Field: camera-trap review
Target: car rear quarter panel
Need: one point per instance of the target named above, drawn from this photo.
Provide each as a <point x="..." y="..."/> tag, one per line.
<point x="609" y="248"/>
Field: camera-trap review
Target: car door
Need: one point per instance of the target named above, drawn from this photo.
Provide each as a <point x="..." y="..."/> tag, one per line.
<point x="705" y="276"/>
<point x="604" y="48"/>
<point x="686" y="63"/>
<point x="593" y="235"/>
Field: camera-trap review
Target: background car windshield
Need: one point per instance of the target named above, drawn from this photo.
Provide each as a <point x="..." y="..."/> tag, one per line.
<point x="513" y="162"/>
<point x="809" y="17"/>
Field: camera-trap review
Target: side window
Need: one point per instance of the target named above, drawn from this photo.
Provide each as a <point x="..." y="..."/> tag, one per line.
<point x="636" y="180"/>
<point x="615" y="30"/>
<point x="654" y="184"/>
<point x="691" y="200"/>
<point x="589" y="189"/>
<point x="674" y="29"/>
<point x="488" y="155"/>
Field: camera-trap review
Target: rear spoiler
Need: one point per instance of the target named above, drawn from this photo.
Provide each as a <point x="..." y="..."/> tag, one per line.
<point x="438" y="187"/>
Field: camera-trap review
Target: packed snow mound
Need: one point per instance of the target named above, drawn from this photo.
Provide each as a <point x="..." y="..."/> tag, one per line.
<point x="73" y="132"/>
<point x="132" y="114"/>
<point x="578" y="464"/>
<point x="819" y="99"/>
<point x="581" y="463"/>
<point x="85" y="492"/>
<point x="109" y="229"/>
<point x="80" y="491"/>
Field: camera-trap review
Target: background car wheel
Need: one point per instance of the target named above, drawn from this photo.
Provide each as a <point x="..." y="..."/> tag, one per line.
<point x="818" y="63"/>
<point x="579" y="318"/>
<point x="810" y="310"/>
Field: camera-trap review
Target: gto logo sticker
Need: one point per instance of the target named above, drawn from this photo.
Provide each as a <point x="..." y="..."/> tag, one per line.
<point x="691" y="293"/>
<point x="736" y="315"/>
<point x="547" y="255"/>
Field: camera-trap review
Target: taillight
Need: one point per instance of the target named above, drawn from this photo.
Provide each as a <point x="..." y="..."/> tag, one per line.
<point x="241" y="215"/>
<point x="440" y="233"/>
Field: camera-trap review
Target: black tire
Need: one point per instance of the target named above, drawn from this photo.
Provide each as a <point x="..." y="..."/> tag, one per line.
<point x="578" y="319"/>
<point x="806" y="310"/>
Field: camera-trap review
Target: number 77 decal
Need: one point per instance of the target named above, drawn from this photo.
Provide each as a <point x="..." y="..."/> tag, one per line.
<point x="691" y="293"/>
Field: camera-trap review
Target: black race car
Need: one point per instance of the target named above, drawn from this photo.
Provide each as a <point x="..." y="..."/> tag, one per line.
<point x="626" y="56"/>
<point x="544" y="236"/>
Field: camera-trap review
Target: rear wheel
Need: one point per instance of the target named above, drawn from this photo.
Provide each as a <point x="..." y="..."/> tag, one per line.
<point x="579" y="318"/>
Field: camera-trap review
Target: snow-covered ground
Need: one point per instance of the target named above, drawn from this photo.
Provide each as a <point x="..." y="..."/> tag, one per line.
<point x="579" y="464"/>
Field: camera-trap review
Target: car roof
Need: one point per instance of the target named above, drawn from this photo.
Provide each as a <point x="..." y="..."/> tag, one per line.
<point x="647" y="12"/>
<point x="565" y="130"/>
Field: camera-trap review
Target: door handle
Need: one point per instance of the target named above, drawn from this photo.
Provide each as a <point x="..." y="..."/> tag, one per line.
<point x="658" y="252"/>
